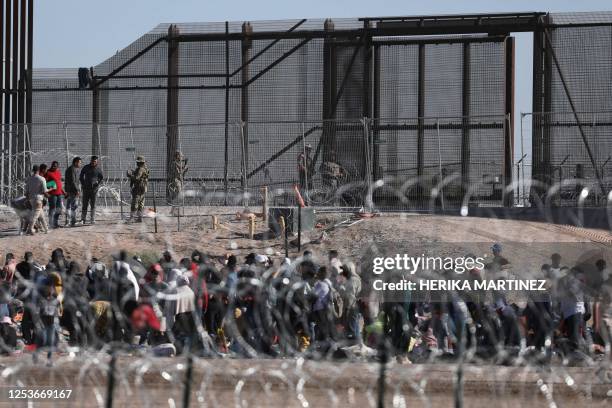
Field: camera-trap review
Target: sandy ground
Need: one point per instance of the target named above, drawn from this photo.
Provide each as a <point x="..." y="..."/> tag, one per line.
<point x="413" y="233"/>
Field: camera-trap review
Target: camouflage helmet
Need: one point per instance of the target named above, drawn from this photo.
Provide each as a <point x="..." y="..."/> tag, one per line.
<point x="140" y="159"/>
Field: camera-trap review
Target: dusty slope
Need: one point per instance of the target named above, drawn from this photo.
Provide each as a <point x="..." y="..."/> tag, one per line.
<point x="404" y="232"/>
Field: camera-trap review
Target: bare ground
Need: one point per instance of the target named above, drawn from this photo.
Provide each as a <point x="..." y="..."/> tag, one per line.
<point x="402" y="232"/>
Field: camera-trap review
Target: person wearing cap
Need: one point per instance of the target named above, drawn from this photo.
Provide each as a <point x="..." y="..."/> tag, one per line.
<point x="91" y="178"/>
<point x="305" y="168"/>
<point x="139" y="180"/>
<point x="499" y="262"/>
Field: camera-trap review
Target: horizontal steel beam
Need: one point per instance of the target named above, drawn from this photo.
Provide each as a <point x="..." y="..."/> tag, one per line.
<point x="434" y="126"/>
<point x="267" y="35"/>
<point x="545" y="123"/>
<point x="196" y="179"/>
<point x="164" y="76"/>
<point x="455" y="16"/>
<point x="137" y="88"/>
<point x="456" y="40"/>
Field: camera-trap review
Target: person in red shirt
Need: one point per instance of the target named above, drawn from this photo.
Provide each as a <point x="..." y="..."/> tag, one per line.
<point x="56" y="194"/>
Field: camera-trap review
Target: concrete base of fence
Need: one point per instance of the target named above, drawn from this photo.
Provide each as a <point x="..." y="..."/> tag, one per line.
<point x="599" y="218"/>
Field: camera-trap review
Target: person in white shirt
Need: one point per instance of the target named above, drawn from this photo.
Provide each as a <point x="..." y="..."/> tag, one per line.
<point x="35" y="192"/>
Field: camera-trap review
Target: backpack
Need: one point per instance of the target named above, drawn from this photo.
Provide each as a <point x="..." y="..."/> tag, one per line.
<point x="336" y="301"/>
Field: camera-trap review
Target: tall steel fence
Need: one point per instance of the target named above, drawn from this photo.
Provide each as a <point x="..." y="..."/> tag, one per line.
<point x="385" y="163"/>
<point x="567" y="158"/>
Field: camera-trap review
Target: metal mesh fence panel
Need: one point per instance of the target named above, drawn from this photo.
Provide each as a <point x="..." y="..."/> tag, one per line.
<point x="336" y="152"/>
<point x="569" y="139"/>
<point x="563" y="157"/>
<point x="229" y="163"/>
<point x="453" y="170"/>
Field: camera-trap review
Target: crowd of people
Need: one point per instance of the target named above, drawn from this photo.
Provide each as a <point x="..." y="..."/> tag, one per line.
<point x="259" y="306"/>
<point x="63" y="195"/>
<point x="46" y="187"/>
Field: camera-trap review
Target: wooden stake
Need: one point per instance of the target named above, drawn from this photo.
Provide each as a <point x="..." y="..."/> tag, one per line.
<point x="251" y="227"/>
<point x="281" y="222"/>
<point x="215" y="222"/>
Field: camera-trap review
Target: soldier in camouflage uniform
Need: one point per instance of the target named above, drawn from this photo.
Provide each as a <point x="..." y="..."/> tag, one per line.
<point x="139" y="179"/>
<point x="178" y="175"/>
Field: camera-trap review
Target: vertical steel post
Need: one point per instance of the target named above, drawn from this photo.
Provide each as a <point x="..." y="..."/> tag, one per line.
<point x="507" y="197"/>
<point x="441" y="173"/>
<point x="154" y="208"/>
<point x="4" y="107"/>
<point x="30" y="65"/>
<point x="244" y="161"/>
<point x="4" y="88"/>
<point x="286" y="234"/>
<point x="376" y="115"/>
<point x="367" y="81"/>
<point x="7" y="62"/>
<point x="121" y="182"/>
<point x="15" y="64"/>
<point x="2" y="166"/>
<point x="537" y="134"/>
<point x="299" y="238"/>
<point x="172" y="109"/>
<point x="246" y="45"/>
<point x="66" y="144"/>
<point x="542" y="80"/>
<point x="9" y="177"/>
<point x="95" y="117"/>
<point x="22" y="61"/>
<point x="465" y="122"/>
<point x="330" y="73"/>
<point x="227" y="84"/>
<point x="367" y="56"/>
<point x="8" y="88"/>
<point x="521" y="175"/>
<point x="20" y="174"/>
<point x="369" y="199"/>
<point x="421" y="119"/>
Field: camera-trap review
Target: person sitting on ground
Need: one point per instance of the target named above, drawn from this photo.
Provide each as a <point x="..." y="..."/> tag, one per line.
<point x="8" y="336"/>
<point x="7" y="273"/>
